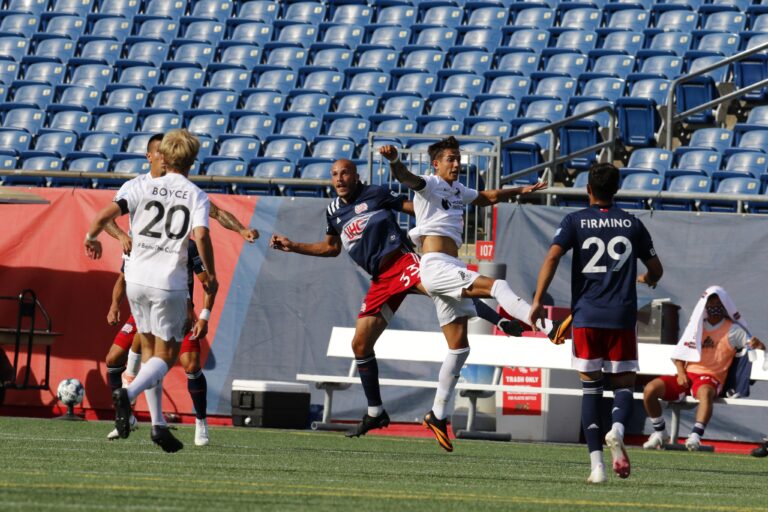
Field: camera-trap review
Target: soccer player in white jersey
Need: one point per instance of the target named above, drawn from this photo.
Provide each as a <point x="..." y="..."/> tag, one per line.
<point x="439" y="203"/>
<point x="165" y="212"/>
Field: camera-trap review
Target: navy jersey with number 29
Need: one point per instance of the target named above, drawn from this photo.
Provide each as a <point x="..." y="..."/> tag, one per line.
<point x="606" y="244"/>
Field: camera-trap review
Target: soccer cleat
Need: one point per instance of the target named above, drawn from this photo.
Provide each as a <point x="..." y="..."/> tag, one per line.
<point x="122" y="412"/>
<point x="760" y="451"/>
<point x="559" y="330"/>
<point x="114" y="435"/>
<point x="440" y="430"/>
<point x="510" y="327"/>
<point x="597" y="476"/>
<point x="618" y="453"/>
<point x="656" y="441"/>
<point x="693" y="443"/>
<point x="161" y="436"/>
<point x="369" y="423"/>
<point x="201" y="432"/>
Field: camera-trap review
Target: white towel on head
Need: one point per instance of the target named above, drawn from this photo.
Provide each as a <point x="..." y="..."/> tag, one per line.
<point x="689" y="346"/>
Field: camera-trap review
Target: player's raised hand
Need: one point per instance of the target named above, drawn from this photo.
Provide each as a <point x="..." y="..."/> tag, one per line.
<point x="113" y="316"/>
<point x="280" y="243"/>
<point x="389" y="152"/>
<point x="249" y="235"/>
<point x="92" y="249"/>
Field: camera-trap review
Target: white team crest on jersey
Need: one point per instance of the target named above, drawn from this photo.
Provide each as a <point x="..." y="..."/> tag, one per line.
<point x="360" y="208"/>
<point x="354" y="229"/>
<point x="127" y="328"/>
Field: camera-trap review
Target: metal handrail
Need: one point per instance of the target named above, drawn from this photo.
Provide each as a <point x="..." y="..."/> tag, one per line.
<point x="671" y="118"/>
<point x="554" y="160"/>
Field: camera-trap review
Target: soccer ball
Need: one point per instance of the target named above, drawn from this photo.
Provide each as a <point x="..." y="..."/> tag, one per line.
<point x="70" y="392"/>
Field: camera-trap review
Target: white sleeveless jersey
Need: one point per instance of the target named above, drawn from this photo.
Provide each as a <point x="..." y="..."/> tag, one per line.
<point x="439" y="209"/>
<point x="163" y="211"/>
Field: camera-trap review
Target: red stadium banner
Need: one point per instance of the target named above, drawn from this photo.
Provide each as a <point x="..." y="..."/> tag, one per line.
<point x="519" y="404"/>
<point x="41" y="248"/>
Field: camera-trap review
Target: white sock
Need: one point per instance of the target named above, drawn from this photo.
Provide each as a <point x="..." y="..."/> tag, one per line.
<point x="596" y="458"/>
<point x="375" y="411"/>
<point x="446" y="382"/>
<point x="154" y="396"/>
<point x="514" y="305"/>
<point x="149" y="375"/>
<point x="619" y="429"/>
<point x="134" y="361"/>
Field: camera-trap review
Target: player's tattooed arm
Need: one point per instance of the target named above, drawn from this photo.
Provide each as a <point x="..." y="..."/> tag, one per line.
<point x="494" y="196"/>
<point x="328" y="248"/>
<point x="230" y="222"/>
<point x="399" y="170"/>
<point x="113" y="230"/>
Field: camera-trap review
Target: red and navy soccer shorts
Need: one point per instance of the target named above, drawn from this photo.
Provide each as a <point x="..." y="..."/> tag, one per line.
<point x="674" y="392"/>
<point x="124" y="338"/>
<point x="608" y="350"/>
<point x="389" y="289"/>
<point x="189" y="345"/>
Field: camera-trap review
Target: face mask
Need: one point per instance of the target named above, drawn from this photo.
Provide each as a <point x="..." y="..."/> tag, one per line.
<point x="716" y="311"/>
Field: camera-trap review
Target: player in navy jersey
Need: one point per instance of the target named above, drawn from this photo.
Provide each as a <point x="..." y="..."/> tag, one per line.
<point x="360" y="220"/>
<point x="606" y="243"/>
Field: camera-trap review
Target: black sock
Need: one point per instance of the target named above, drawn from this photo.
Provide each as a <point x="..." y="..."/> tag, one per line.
<point x="368" y="369"/>
<point x="115" y="376"/>
<point x="698" y="428"/>
<point x="590" y="413"/>
<point x="198" y="391"/>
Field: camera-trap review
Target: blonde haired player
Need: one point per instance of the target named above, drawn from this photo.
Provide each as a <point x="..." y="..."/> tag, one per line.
<point x="165" y="211"/>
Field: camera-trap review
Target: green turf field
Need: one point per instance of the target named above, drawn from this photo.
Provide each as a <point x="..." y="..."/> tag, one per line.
<point x="54" y="465"/>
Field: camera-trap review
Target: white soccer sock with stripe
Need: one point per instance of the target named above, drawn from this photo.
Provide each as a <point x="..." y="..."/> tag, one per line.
<point x="154" y="396"/>
<point x="151" y="373"/>
<point x="134" y="361"/>
<point x="514" y="305"/>
<point x="446" y="382"/>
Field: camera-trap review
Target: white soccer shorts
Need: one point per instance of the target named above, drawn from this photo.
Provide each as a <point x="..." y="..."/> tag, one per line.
<point x="160" y="312"/>
<point x="444" y="278"/>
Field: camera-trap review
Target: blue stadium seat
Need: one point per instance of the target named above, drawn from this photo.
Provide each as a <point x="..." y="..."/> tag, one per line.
<point x="177" y="100"/>
<point x="369" y="82"/>
<point x="330" y="59"/>
<point x="400" y="107"/>
<point x="244" y="55"/>
<point x="145" y="77"/>
<point x="260" y="126"/>
<point x="218" y="102"/>
<point x="59" y="48"/>
<point x="556" y="87"/>
<point x="609" y="73"/>
<point x="668" y="43"/>
<point x="658" y="66"/>
<point x="99" y="51"/>
<point x="353" y="14"/>
<point x="36" y="7"/>
<point x="725" y="21"/>
<point x="117" y="28"/>
<point x="194" y="53"/>
<point x="309" y="103"/>
<point x="77" y="96"/>
<point x="121" y="123"/>
<point x="491" y="129"/>
<point x="13" y="47"/>
<point x="305" y="127"/>
<point x="685" y="184"/>
<point x="126" y="99"/>
<point x="280" y="80"/>
<point x="623" y="43"/>
<point x="285" y="148"/>
<point x="353" y="128"/>
<point x="442" y="16"/>
<point x="391" y="37"/>
<point x="14" y="141"/>
<point x="581" y="19"/>
<point x="382" y="59"/>
<point x="644" y="182"/>
<point x="497" y="109"/>
<point x="81" y="164"/>
<point x="481" y="39"/>
<point x="35" y="163"/>
<point x="472" y="61"/>
<point x="700" y="90"/>
<point x="159" y="29"/>
<point x="545" y="110"/>
<point x="91" y="75"/>
<point x="753" y="140"/>
<point x="59" y="143"/>
<point x="494" y="17"/>
<point x="333" y="148"/>
<point x="127" y="165"/>
<point x="51" y="73"/>
<point x="535" y="17"/>
<point x="439" y="38"/>
<point x="448" y="109"/>
<point x="217" y="10"/>
<point x="586" y="104"/>
<point x="287" y="57"/>
<point x="632" y="20"/>
<point x="443" y="128"/>
<point x="530" y="40"/>
<point x="355" y="105"/>
<point x="423" y="60"/>
<point x="205" y="31"/>
<point x="33" y="95"/>
<point x="265" y="11"/>
<point x="298" y="34"/>
<point x="717" y="139"/>
<point x="467" y="85"/>
<point x="328" y="82"/>
<point x="242" y="148"/>
<point x="19" y="24"/>
<point x="421" y="84"/>
<point x="507" y="87"/>
<point x="147" y="52"/>
<point x="311" y="13"/>
<point x="77" y="7"/>
<point x="173" y="10"/>
<point x="69" y="26"/>
<point x="396" y="126"/>
<point x="137" y="143"/>
<point x="755" y="165"/>
<point x="124" y="8"/>
<point x="29" y="119"/>
<point x="266" y="102"/>
<point x="255" y="33"/>
<point x="638" y="115"/>
<point x="187" y="77"/>
<point x="522" y="64"/>
<point x="746" y="186"/>
<point x="274" y="170"/>
<point x="655" y="160"/>
<point x="70" y="120"/>
<point x="99" y="144"/>
<point x="233" y="79"/>
<point x="581" y="134"/>
<point x="677" y="21"/>
<point x="225" y="168"/>
<point x="715" y="44"/>
<point x="578" y="41"/>
<point x="399" y="15"/>
<point x="702" y="162"/>
<point x="563" y="64"/>
<point x="313" y="171"/>
<point x="160" y="123"/>
<point x="752" y="69"/>
<point x="341" y="36"/>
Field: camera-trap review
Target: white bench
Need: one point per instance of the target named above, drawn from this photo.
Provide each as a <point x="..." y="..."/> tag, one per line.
<point x="495" y="351"/>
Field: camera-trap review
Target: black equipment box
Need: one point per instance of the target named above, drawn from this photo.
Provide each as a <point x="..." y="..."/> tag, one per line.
<point x="658" y="322"/>
<point x="270" y="404"/>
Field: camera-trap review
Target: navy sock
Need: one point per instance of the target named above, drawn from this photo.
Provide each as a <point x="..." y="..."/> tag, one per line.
<point x="698" y="428"/>
<point x="622" y="405"/>
<point x="115" y="376"/>
<point x="590" y="413"/>
<point x="198" y="391"/>
<point x="368" y="369"/>
<point x="486" y="312"/>
<point x="659" y="425"/>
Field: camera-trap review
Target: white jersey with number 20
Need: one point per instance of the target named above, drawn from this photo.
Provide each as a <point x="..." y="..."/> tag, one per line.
<point x="164" y="211"/>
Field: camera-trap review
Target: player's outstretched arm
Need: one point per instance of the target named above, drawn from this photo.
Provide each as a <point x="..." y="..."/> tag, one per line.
<point x="546" y="273"/>
<point x="205" y="248"/>
<point x="230" y="222"/>
<point x="113" y="230"/>
<point x="328" y="248"/>
<point x="499" y="195"/>
<point x="92" y="245"/>
<point x="398" y="169"/>
<point x="118" y="294"/>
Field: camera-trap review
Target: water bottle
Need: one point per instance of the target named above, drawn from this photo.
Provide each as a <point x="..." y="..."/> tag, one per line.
<point x="752" y="355"/>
